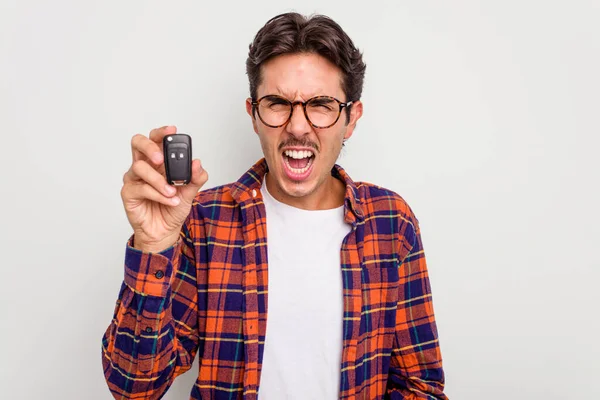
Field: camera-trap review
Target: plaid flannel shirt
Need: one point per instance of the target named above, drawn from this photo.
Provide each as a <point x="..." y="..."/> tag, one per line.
<point x="208" y="293"/>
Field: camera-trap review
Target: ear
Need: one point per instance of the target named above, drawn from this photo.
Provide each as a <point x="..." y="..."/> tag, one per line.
<point x="356" y="112"/>
<point x="249" y="111"/>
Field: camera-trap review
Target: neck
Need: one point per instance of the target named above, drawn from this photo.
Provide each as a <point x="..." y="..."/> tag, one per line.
<point x="328" y="195"/>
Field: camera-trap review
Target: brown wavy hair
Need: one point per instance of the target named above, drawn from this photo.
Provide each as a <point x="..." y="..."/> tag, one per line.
<point x="291" y="33"/>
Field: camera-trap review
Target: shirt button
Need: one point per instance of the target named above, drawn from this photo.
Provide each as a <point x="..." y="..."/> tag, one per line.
<point x="253" y="192"/>
<point x="148" y="329"/>
<point x="159" y="274"/>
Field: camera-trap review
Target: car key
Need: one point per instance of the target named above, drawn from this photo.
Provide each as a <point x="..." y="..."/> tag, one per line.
<point x="177" y="149"/>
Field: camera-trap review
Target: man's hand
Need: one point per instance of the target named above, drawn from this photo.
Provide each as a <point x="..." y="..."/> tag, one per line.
<point x="155" y="209"/>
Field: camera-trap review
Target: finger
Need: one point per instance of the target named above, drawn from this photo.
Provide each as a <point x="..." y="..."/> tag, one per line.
<point x="199" y="178"/>
<point x="130" y="176"/>
<point x="142" y="171"/>
<point x="144" y="191"/>
<point x="144" y="148"/>
<point x="157" y="135"/>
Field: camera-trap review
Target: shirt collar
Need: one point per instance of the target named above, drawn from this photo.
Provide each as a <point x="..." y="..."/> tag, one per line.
<point x="249" y="184"/>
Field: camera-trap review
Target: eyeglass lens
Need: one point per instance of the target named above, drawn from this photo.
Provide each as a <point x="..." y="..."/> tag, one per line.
<point x="321" y="111"/>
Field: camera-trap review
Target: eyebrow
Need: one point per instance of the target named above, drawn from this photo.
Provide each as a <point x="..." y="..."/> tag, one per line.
<point x="290" y="96"/>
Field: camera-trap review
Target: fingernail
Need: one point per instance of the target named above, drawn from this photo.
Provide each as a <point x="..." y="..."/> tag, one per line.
<point x="175" y="200"/>
<point x="157" y="157"/>
<point x="170" y="189"/>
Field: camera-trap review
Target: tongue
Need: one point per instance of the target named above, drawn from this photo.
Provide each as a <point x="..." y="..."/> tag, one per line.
<point x="298" y="164"/>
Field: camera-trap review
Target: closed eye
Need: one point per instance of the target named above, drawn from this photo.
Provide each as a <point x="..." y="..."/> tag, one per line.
<point x="274" y="101"/>
<point x="322" y="104"/>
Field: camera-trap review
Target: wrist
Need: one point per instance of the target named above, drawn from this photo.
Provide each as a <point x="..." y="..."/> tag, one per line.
<point x="153" y="246"/>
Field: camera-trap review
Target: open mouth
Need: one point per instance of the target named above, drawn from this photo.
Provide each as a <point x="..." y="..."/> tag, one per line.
<point x="298" y="163"/>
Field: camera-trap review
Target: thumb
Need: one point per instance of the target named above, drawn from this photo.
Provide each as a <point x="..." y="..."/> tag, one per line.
<point x="199" y="178"/>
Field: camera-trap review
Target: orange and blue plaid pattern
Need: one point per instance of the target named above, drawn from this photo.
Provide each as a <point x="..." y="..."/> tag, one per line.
<point x="208" y="294"/>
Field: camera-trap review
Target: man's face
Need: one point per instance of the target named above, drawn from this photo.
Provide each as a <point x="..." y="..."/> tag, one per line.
<point x="299" y="77"/>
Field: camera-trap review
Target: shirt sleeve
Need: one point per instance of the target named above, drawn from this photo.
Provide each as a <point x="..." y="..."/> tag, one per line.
<point x="416" y="363"/>
<point x="153" y="336"/>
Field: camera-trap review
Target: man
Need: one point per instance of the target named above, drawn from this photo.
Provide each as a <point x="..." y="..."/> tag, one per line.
<point x="293" y="282"/>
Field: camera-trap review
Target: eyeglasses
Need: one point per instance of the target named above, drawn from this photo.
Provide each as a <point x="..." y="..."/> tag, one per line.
<point x="320" y="111"/>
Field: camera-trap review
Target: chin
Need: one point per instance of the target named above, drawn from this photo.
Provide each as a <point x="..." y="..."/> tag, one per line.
<point x="295" y="188"/>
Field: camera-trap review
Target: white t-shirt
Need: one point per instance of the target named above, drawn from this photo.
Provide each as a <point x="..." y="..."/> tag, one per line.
<point x="303" y="344"/>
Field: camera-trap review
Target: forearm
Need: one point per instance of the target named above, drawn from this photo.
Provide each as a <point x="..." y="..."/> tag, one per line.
<point x="416" y="363"/>
<point x="144" y="348"/>
<point x="137" y="350"/>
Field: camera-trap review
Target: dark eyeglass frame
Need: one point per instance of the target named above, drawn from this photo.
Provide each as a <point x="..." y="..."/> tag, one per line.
<point x="293" y="105"/>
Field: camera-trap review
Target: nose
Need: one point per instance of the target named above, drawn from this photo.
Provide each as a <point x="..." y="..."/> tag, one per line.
<point x="298" y="124"/>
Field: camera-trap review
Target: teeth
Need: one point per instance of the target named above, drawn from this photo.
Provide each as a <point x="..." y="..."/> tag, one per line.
<point x="298" y="154"/>
<point x="299" y="170"/>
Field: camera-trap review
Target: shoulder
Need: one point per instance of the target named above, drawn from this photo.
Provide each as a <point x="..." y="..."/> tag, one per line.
<point x="377" y="199"/>
<point x="206" y="197"/>
<point x="379" y="203"/>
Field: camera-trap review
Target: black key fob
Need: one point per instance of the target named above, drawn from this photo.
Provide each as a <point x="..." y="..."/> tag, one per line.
<point x="177" y="151"/>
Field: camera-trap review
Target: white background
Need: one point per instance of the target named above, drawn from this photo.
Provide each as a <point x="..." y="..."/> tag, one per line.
<point x="482" y="115"/>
